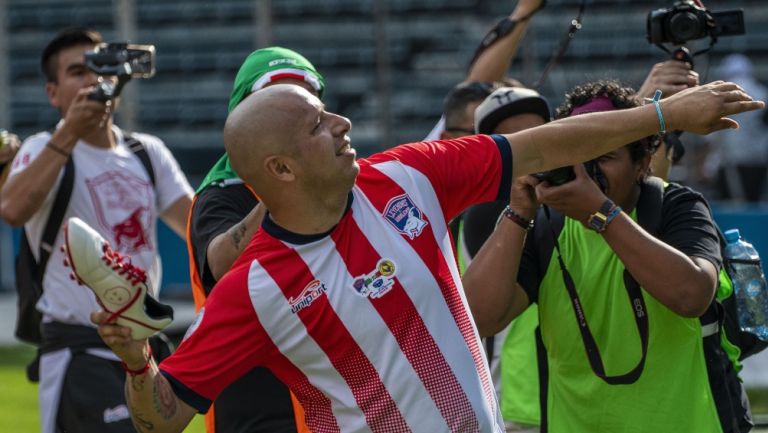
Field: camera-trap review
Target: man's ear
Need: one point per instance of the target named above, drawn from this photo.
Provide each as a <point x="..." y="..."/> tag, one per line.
<point x="52" y="90"/>
<point x="279" y="168"/>
<point x="644" y="168"/>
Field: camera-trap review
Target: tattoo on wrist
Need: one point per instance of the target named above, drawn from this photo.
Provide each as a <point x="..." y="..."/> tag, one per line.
<point x="137" y="382"/>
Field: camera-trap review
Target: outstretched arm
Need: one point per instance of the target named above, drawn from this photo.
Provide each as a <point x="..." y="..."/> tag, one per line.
<point x="573" y="140"/>
<point x="25" y="192"/>
<point x="153" y="405"/>
<point x="670" y="77"/>
<point x="493" y="62"/>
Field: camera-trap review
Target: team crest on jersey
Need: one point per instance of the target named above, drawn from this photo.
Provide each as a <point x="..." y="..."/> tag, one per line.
<point x="405" y="216"/>
<point x="311" y="292"/>
<point x="377" y="283"/>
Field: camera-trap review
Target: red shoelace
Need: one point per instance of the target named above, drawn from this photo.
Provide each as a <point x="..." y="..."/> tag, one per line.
<point x="123" y="265"/>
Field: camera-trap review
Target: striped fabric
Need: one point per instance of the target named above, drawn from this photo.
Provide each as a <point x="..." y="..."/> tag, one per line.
<point x="368" y="324"/>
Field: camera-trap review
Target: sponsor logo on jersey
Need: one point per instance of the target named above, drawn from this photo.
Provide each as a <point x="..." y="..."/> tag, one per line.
<point x="311" y="292"/>
<point x="405" y="216"/>
<point x="378" y="282"/>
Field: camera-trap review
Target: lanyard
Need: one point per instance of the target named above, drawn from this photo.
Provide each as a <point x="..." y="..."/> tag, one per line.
<point x="593" y="352"/>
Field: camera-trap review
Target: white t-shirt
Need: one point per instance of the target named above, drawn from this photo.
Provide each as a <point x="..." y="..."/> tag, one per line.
<point x="113" y="193"/>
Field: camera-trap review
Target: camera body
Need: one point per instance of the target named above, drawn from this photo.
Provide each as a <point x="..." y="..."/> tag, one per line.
<point x="557" y="176"/>
<point x="121" y="60"/>
<point x="566" y="174"/>
<point x="685" y="21"/>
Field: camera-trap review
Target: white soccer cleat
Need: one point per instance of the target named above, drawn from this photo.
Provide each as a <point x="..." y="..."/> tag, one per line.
<point x="120" y="287"/>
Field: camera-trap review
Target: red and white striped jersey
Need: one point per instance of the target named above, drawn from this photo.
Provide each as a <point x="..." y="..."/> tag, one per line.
<point x="367" y="324"/>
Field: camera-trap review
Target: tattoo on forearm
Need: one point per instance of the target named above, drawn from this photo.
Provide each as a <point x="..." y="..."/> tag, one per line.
<point x="237" y="233"/>
<point x="140" y="423"/>
<point x="164" y="398"/>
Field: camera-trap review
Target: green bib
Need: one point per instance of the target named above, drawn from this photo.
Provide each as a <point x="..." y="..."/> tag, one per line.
<point x="672" y="393"/>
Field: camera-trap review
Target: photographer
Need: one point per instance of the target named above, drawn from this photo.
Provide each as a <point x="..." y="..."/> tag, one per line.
<point x="114" y="191"/>
<point x="512" y="352"/>
<point x="622" y="346"/>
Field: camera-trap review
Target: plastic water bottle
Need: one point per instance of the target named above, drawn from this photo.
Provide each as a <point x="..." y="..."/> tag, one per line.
<point x="749" y="284"/>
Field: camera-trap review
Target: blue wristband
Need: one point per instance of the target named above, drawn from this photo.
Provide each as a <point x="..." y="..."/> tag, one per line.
<point x="612" y="214"/>
<point x="655" y="100"/>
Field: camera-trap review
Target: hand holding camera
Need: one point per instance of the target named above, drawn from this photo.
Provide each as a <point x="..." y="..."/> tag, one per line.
<point x="577" y="198"/>
<point x="85" y="115"/>
<point x="670" y="77"/>
<point x="116" y="63"/>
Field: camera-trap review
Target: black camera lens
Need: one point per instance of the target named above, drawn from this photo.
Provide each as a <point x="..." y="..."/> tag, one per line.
<point x="686" y="26"/>
<point x="557" y="176"/>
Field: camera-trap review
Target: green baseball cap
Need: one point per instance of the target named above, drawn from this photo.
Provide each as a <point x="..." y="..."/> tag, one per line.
<point x="274" y="63"/>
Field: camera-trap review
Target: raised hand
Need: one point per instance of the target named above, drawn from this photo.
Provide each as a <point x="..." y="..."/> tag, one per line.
<point x="576" y="199"/>
<point x="522" y="197"/>
<point x="704" y="109"/>
<point x="85" y="115"/>
<point x="526" y="8"/>
<point x="670" y="77"/>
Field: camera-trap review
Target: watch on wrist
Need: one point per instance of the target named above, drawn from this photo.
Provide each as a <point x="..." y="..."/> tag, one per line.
<point x="599" y="220"/>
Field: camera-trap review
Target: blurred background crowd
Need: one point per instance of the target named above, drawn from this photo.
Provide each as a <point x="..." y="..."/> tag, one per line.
<point x="388" y="66"/>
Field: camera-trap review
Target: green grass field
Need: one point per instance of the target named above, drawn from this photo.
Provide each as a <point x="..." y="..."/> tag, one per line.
<point x="18" y="397"/>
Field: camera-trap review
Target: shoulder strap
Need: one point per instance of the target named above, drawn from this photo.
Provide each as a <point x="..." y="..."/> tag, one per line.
<point x="649" y="204"/>
<point x="590" y="345"/>
<point x="140" y="151"/>
<point x="545" y="238"/>
<point x="55" y="218"/>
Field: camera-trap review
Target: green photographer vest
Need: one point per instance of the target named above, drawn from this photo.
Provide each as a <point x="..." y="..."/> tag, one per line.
<point x="672" y="394"/>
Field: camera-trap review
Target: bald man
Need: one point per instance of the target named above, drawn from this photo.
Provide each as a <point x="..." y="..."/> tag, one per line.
<point x="349" y="292"/>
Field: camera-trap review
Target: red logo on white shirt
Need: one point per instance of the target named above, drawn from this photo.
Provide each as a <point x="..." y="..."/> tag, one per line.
<point x="311" y="292"/>
<point x="123" y="205"/>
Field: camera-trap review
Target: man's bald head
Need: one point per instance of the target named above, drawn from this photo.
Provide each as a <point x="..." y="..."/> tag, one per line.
<point x="262" y="125"/>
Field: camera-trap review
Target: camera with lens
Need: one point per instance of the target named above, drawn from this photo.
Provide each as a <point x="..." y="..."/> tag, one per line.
<point x="562" y="175"/>
<point x="685" y="21"/>
<point x="557" y="176"/>
<point x="122" y="61"/>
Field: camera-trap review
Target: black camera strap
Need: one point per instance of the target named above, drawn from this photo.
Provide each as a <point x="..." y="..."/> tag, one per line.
<point x="558" y="55"/>
<point x="501" y="29"/>
<point x="637" y="303"/>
